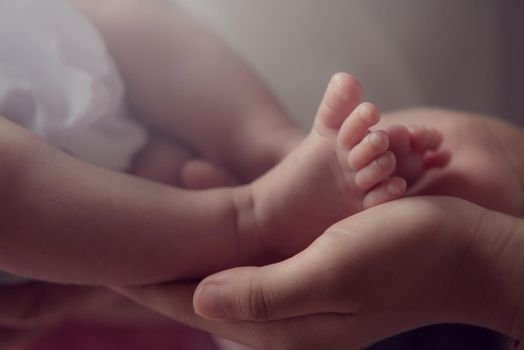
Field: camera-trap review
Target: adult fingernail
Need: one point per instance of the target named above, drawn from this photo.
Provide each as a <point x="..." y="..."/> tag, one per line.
<point x="208" y="303"/>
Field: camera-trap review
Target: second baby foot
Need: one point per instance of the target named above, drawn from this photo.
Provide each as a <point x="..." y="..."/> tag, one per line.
<point x="413" y="148"/>
<point x="339" y="169"/>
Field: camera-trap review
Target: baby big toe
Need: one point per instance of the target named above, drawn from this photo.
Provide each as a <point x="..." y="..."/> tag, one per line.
<point x="376" y="171"/>
<point x="341" y="97"/>
<point x="373" y="145"/>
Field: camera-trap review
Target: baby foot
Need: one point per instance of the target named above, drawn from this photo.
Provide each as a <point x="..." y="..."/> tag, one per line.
<point x="413" y="149"/>
<point x="369" y="157"/>
<point x="339" y="169"/>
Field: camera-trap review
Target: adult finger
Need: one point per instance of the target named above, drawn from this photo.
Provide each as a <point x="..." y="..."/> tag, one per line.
<point x="332" y="275"/>
<point x="328" y="330"/>
<point x="161" y="160"/>
<point x="166" y="161"/>
<point x="200" y="175"/>
<point x="304" y="284"/>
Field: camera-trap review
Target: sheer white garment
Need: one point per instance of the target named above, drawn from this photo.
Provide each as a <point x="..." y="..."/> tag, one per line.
<point x="57" y="79"/>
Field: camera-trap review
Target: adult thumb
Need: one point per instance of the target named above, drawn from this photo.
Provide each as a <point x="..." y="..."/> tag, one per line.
<point x="295" y="287"/>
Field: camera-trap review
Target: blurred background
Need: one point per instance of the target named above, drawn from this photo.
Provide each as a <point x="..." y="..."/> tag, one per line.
<point x="466" y="54"/>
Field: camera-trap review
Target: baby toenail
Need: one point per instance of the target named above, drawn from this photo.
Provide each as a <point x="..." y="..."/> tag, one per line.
<point x="365" y="113"/>
<point x="375" y="139"/>
<point x="339" y="88"/>
<point x="383" y="161"/>
<point x="394" y="188"/>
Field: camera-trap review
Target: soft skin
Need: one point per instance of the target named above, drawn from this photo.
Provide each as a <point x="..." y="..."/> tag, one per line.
<point x="452" y="286"/>
<point x="185" y="83"/>
<point x="391" y="268"/>
<point x="482" y="154"/>
<point x="37" y="304"/>
<point x="89" y="225"/>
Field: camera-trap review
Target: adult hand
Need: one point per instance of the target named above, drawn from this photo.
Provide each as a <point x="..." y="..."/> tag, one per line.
<point x="398" y="266"/>
<point x="166" y="160"/>
<point x="483" y="155"/>
<point x="486" y="160"/>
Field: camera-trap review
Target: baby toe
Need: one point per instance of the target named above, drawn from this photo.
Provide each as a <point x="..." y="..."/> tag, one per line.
<point x="376" y="171"/>
<point x="386" y="191"/>
<point x="399" y="140"/>
<point x="436" y="139"/>
<point x="424" y="139"/>
<point x="357" y="125"/>
<point x="373" y="145"/>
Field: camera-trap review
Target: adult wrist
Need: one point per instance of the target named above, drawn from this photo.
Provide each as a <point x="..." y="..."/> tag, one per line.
<point x="487" y="288"/>
<point x="508" y="274"/>
<point x="511" y="147"/>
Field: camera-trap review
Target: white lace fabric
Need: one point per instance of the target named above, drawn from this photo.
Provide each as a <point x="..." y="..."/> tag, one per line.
<point x="57" y="79"/>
